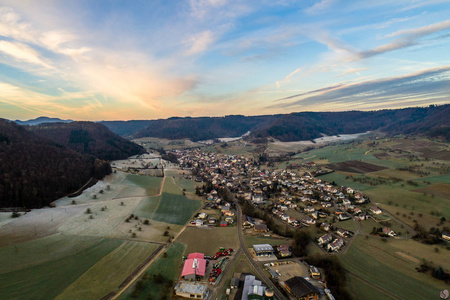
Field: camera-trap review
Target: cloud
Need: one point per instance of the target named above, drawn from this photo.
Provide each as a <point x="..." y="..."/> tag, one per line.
<point x="23" y="53"/>
<point x="319" y="7"/>
<point x="199" y="8"/>
<point x="422" y="31"/>
<point x="408" y="38"/>
<point x="200" y="42"/>
<point x="427" y="86"/>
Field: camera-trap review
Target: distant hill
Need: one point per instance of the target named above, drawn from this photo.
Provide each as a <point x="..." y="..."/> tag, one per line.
<point x="432" y="121"/>
<point x="35" y="171"/>
<point x="41" y="120"/>
<point x="89" y="138"/>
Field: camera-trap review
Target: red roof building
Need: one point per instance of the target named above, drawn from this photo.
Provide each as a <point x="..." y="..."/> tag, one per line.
<point x="194" y="266"/>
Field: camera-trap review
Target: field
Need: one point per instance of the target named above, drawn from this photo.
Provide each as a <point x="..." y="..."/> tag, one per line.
<point x="354" y="166"/>
<point x="441" y="190"/>
<point x="106" y="275"/>
<point x="208" y="240"/>
<point x="386" y="265"/>
<point x="169" y="267"/>
<point x="49" y="275"/>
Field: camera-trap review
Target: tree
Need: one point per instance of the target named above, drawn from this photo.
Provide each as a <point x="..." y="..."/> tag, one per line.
<point x="88" y="211"/>
<point x="301" y="241"/>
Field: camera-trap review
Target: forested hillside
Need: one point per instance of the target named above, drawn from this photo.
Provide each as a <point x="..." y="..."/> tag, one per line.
<point x="90" y="138"/>
<point x="35" y="171"/>
<point x="432" y="121"/>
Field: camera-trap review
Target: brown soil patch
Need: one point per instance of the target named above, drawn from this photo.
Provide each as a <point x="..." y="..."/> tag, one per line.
<point x="355" y="166"/>
<point x="439" y="189"/>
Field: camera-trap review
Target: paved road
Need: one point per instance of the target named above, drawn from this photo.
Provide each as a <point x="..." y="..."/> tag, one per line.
<point x="259" y="272"/>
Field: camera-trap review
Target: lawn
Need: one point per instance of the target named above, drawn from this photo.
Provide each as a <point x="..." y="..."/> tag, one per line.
<point x="106" y="275"/>
<point x="380" y="264"/>
<point x="169" y="267"/>
<point x="48" y="279"/>
<point x="208" y="241"/>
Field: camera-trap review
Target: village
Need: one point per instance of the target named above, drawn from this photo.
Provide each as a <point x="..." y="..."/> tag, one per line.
<point x="295" y="199"/>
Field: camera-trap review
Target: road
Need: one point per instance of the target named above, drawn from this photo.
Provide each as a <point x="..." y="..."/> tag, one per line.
<point x="260" y="274"/>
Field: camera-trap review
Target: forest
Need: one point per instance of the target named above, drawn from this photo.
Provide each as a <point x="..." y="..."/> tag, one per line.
<point x="36" y="171"/>
<point x="430" y="121"/>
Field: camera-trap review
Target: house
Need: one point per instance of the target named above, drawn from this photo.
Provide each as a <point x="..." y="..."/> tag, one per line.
<point x="375" y="210"/>
<point x="194" y="267"/>
<point x="314" y="272"/>
<point x="309" y="209"/>
<point x="229" y="219"/>
<point x="446" y="235"/>
<point x="325" y="239"/>
<point x="198" y="223"/>
<point x="389" y="232"/>
<point x="326" y="226"/>
<point x="284" y="217"/>
<point x="284" y="250"/>
<point x="342" y="232"/>
<point x="301" y="289"/>
<point x="308" y="220"/>
<point x="344" y="216"/>
<point x="260" y="228"/>
<point x="336" y="245"/>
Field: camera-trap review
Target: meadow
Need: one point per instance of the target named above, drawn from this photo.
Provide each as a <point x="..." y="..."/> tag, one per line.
<point x="389" y="267"/>
<point x="107" y="274"/>
<point x="208" y="240"/>
<point x="49" y="277"/>
<point x="169" y="265"/>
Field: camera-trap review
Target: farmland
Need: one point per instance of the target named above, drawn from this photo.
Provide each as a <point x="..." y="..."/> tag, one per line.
<point x="208" y="240"/>
<point x="106" y="275"/>
<point x="49" y="277"/>
<point x="389" y="265"/>
<point x="168" y="265"/>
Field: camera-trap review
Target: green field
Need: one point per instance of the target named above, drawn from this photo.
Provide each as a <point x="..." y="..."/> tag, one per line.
<point x="208" y="241"/>
<point x="381" y="264"/>
<point x="169" y="267"/>
<point x="171" y="207"/>
<point x="341" y="180"/>
<point x="151" y="184"/>
<point x="106" y="275"/>
<point x="47" y="278"/>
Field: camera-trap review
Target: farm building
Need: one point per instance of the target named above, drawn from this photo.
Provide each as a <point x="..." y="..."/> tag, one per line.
<point x="388" y="231"/>
<point x="301" y="289"/>
<point x="263" y="249"/>
<point x="194" y="267"/>
<point x="254" y="290"/>
<point x="191" y="290"/>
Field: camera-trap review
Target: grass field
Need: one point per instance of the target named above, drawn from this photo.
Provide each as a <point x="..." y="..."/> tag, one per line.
<point x="208" y="241"/>
<point x="381" y="264"/>
<point x="106" y="275"/>
<point x="171" y="207"/>
<point x="340" y="179"/>
<point x="241" y="265"/>
<point x="169" y="267"/>
<point x="358" y="287"/>
<point x="150" y="184"/>
<point x="48" y="279"/>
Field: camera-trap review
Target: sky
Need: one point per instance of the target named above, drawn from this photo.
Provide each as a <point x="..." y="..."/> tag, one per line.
<point x="131" y="60"/>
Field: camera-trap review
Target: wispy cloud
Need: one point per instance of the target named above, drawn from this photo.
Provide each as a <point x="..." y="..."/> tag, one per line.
<point x="408" y="38"/>
<point x="432" y="85"/>
<point x="319" y="7"/>
<point x="22" y="52"/>
<point x="200" y="42"/>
